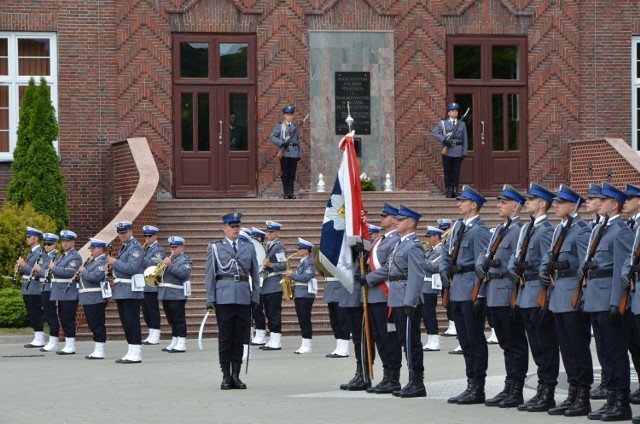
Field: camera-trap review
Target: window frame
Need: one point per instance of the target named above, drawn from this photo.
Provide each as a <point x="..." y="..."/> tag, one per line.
<point x="635" y="92"/>
<point x="15" y="81"/>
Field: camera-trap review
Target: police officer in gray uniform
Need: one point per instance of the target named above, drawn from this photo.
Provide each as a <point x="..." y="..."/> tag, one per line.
<point x="271" y="291"/>
<point x="457" y="147"/>
<point x="154" y="253"/>
<point x="93" y="295"/>
<point x="292" y="152"/>
<point x="469" y="316"/>
<point x="331" y="295"/>
<point x="602" y="297"/>
<point x="233" y="288"/>
<point x="50" y="308"/>
<point x="304" y="293"/>
<point x="125" y="266"/>
<point x="506" y="322"/>
<point x="387" y="342"/>
<point x="429" y="290"/>
<point x="174" y="291"/>
<point x="572" y="325"/>
<point x="31" y="292"/>
<point x="541" y="332"/>
<point x="64" y="290"/>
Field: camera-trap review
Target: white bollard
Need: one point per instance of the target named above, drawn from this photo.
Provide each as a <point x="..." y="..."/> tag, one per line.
<point x="320" y="188"/>
<point x="388" y="185"/>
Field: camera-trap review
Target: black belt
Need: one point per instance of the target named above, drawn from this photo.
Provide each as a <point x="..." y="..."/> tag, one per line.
<point x="601" y="273"/>
<point x="397" y="278"/>
<point x="498" y="275"/>
<point x="233" y="277"/>
<point x="531" y="277"/>
<point x="456" y="143"/>
<point x="567" y="273"/>
<point x="465" y="269"/>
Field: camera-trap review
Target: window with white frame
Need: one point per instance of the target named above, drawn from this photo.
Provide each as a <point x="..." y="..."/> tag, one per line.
<point x="635" y="92"/>
<point x="23" y="56"/>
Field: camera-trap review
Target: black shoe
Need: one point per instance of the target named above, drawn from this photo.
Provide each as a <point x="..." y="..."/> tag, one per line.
<point x="235" y="376"/>
<point x="416" y="388"/>
<point x="358" y="375"/>
<point x="514" y="397"/>
<point x="599" y="392"/>
<point x="335" y="355"/>
<point x="620" y="410"/>
<point x="475" y="393"/>
<point x="495" y="401"/>
<point x="634" y="397"/>
<point x="455" y="352"/>
<point x="582" y="405"/>
<point x="454" y="399"/>
<point x="571" y="397"/>
<point x="546" y="400"/>
<point x="533" y="400"/>
<point x="390" y="383"/>
<point x="597" y="414"/>
<point x="227" y="382"/>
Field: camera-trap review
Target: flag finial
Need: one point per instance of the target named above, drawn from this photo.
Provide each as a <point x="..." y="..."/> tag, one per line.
<point x="349" y="119"/>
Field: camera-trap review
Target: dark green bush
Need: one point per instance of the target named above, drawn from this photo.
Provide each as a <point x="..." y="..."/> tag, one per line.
<point x="13" y="314"/>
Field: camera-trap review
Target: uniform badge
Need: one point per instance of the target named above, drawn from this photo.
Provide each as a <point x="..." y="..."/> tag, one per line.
<point x="102" y="268"/>
<point x="135" y="253"/>
<point x="74" y="263"/>
<point x="188" y="265"/>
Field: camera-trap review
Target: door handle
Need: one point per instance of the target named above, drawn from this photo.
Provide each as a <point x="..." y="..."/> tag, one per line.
<point x="481" y="132"/>
<point x="220" y="134"/>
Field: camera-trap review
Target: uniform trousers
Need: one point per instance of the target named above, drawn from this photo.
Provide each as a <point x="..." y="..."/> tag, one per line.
<point x="387" y="343"/>
<point x="512" y="339"/>
<point x="33" y="304"/>
<point x="67" y="312"/>
<point x="174" y="310"/>
<point x="129" y="311"/>
<point x="272" y="303"/>
<point x="616" y="345"/>
<point x="574" y="336"/>
<point x="601" y="352"/>
<point x="471" y="337"/>
<point x="151" y="310"/>
<point x="259" y="320"/>
<point x="50" y="313"/>
<point x="543" y="344"/>
<point x="96" y="319"/>
<point x="288" y="168"/>
<point x="451" y="166"/>
<point x="414" y="347"/>
<point x="339" y="321"/>
<point x="429" y="316"/>
<point x="634" y="344"/>
<point x="303" y="311"/>
<point x="234" y="323"/>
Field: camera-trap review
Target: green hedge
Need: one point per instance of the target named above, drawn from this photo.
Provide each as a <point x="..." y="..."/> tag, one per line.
<point x="12" y="310"/>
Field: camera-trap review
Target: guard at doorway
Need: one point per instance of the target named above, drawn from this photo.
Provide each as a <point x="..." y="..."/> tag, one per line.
<point x="454" y="148"/>
<point x="291" y="153"/>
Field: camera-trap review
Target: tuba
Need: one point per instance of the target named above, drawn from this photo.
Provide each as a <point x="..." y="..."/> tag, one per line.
<point x="287" y="282"/>
<point x="153" y="274"/>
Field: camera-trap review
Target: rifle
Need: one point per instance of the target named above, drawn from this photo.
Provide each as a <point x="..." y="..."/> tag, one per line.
<point x="543" y="297"/>
<point x="491" y="253"/>
<point x="285" y="145"/>
<point x="17" y="268"/>
<point x="109" y="275"/>
<point x="447" y="138"/>
<point x="367" y="324"/>
<point x="521" y="257"/>
<point x="34" y="273"/>
<point x="585" y="266"/>
<point x="633" y="279"/>
<point x="76" y="278"/>
<point x="454" y="259"/>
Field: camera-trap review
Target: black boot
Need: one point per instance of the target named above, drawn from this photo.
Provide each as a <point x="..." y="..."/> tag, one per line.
<point x="475" y="395"/>
<point x="546" y="400"/>
<point x="454" y="191"/>
<point x="582" y="405"/>
<point x="495" y="401"/>
<point x="635" y="397"/>
<point x="357" y="375"/>
<point x="235" y="375"/>
<point x="621" y="410"/>
<point x="571" y="397"/>
<point x="533" y="400"/>
<point x="416" y="388"/>
<point x="597" y="414"/>
<point x="635" y="420"/>
<point x="227" y="382"/>
<point x="470" y="382"/>
<point x="359" y="382"/>
<point x="514" y="397"/>
<point x="382" y="383"/>
<point x="391" y="384"/>
<point x="599" y="392"/>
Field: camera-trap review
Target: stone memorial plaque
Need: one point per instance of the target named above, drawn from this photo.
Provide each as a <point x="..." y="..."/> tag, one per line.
<point x="355" y="88"/>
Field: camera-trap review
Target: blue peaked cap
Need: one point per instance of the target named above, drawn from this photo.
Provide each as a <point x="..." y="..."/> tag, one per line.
<point x="389" y="209"/>
<point x="595" y="191"/>
<point x="633" y="190"/>
<point x="510" y="193"/>
<point x="405" y="212"/>
<point x="469" y="193"/>
<point x="567" y="194"/>
<point x="609" y="190"/>
<point x="537" y="190"/>
<point x="433" y="231"/>
<point x="232" y="218"/>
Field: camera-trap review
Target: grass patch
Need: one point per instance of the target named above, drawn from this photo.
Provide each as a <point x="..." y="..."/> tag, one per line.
<point x="23" y="331"/>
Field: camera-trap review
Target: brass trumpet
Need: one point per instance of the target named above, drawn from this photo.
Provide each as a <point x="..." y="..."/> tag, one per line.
<point x="287" y="283"/>
<point x="153" y="274"/>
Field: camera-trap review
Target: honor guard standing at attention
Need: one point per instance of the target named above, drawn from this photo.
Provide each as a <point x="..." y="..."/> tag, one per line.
<point x="431" y="288"/>
<point x="173" y="291"/>
<point x="558" y="276"/>
<point x="381" y="317"/>
<point x="127" y="271"/>
<point x="271" y="291"/>
<point x="533" y="242"/>
<point x="233" y="289"/>
<point x="64" y="289"/>
<point x="498" y="290"/>
<point x="592" y="204"/>
<point x="31" y="291"/>
<point x="153" y="254"/>
<point x="456" y="147"/>
<point x="602" y="297"/>
<point x="470" y="236"/>
<point x="50" y="308"/>
<point x="331" y="295"/>
<point x="406" y="276"/>
<point x="445" y="224"/>
<point x="305" y="289"/>
<point x="291" y="156"/>
<point x="94" y="295"/>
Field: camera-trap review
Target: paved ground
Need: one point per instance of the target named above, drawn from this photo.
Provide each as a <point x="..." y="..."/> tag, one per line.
<point x="282" y="387"/>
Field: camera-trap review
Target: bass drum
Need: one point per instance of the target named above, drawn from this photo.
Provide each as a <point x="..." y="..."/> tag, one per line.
<point x="261" y="253"/>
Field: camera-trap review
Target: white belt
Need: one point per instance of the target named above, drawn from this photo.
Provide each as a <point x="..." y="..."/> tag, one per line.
<point x="428" y="279"/>
<point x="173" y="286"/>
<point x="327" y="279"/>
<point x="300" y="284"/>
<point x="122" y="280"/>
<point x="271" y="274"/>
<point x="89" y="290"/>
<point x="62" y="280"/>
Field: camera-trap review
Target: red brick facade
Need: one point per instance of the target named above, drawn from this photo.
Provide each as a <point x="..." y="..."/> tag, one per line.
<point x="115" y="76"/>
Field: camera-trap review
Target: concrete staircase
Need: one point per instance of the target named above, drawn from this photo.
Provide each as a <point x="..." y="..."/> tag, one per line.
<point x="198" y="221"/>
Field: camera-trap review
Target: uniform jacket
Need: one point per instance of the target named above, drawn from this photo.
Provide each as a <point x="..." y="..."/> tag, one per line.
<point x="474" y="239"/>
<point x="407" y="262"/>
<point x="626" y="268"/>
<point x="93" y="276"/>
<point x="128" y="264"/>
<point x="34" y="287"/>
<point x="302" y="275"/>
<point x="614" y="248"/>
<point x="432" y="260"/>
<point x="272" y="284"/>
<point x="572" y="253"/>
<point x="376" y="277"/>
<point x="65" y="269"/>
<point x="223" y="264"/>
<point x="176" y="274"/>
<point x="460" y="138"/>
<point x="333" y="291"/>
<point x="154" y="252"/>
<point x="499" y="287"/>
<point x="277" y="138"/>
<point x="51" y="256"/>
<point x="538" y="245"/>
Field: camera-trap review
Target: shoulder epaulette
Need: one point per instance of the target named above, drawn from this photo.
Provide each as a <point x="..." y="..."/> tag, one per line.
<point x="547" y="224"/>
<point x="622" y="224"/>
<point x="582" y="224"/>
